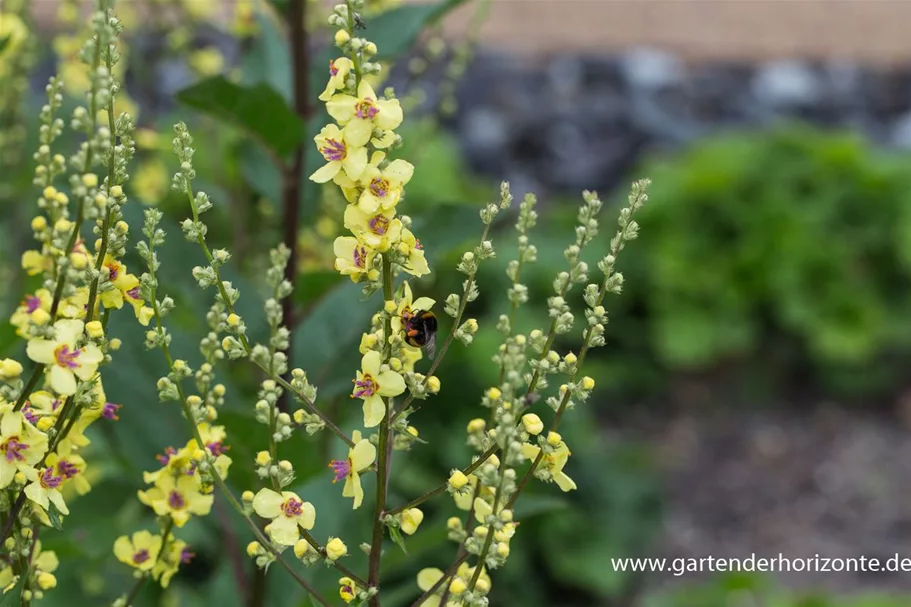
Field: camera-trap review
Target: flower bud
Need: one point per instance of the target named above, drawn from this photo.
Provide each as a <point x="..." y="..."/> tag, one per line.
<point x="219" y="390"/>
<point x="370" y="49"/>
<point x="299" y="417"/>
<point x="553" y="357"/>
<point x="336" y="549"/>
<point x="94" y="329"/>
<point x="50" y="192"/>
<point x="433" y="384"/>
<point x="476" y="425"/>
<point x="116" y="191"/>
<point x="63" y="225"/>
<point x="45" y="423"/>
<point x="285" y="466"/>
<point x="457" y="480"/>
<point x="554" y="439"/>
<point x="46" y="580"/>
<point x="90" y="180"/>
<point x="253" y="549"/>
<point x="115" y="344"/>
<point x="389" y="307"/>
<point x="532" y="424"/>
<point x="233" y="320"/>
<point x="503" y="549"/>
<point x="247" y="497"/>
<point x="39" y="223"/>
<point x="412" y="431"/>
<point x="457" y="586"/>
<point x="454" y="523"/>
<point x="588" y="383"/>
<point x="342" y="37"/>
<point x="301" y="548"/>
<point x="10" y="369"/>
<point x="411" y="520"/>
<point x="40" y="317"/>
<point x="570" y="359"/>
<point x="494" y="394"/>
<point x="263" y="458"/>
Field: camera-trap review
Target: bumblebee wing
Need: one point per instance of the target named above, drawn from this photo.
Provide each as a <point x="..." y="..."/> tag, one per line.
<point x="431" y="345"/>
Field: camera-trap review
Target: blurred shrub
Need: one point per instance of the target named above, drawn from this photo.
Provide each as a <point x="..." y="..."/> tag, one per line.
<point x="789" y="249"/>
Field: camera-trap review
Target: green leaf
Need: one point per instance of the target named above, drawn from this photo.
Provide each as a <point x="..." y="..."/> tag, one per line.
<point x="259" y="110"/>
<point x="4" y="42"/>
<point x="394" y="32"/>
<point x="396" y="536"/>
<point x="311" y="286"/>
<point x="54" y="516"/>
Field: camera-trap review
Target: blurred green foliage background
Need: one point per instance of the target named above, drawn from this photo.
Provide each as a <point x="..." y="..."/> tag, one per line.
<point x="780" y="259"/>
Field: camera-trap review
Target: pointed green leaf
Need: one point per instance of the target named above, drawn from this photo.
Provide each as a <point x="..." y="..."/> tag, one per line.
<point x="259" y="110"/>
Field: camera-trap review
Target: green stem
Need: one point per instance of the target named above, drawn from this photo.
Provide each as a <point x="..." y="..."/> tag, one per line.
<point x="456" y="321"/>
<point x="376" y="544"/>
<point x="490" y="535"/>
<point x="440" y="489"/>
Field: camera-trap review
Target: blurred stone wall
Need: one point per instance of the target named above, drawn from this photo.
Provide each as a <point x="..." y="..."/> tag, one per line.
<point x="863" y="30"/>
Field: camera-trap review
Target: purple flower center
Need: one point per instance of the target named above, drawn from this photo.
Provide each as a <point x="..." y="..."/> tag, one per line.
<point x="379" y="224"/>
<point x="186" y="556"/>
<point x="379" y="187"/>
<point x="110" y="411"/>
<point x="217" y="447"/>
<point x="13" y="449"/>
<point x="365" y="386"/>
<point x="49" y="480"/>
<point x="332" y="69"/>
<point x="342" y="468"/>
<point x="29" y="414"/>
<point x="113" y="272"/>
<point x="54" y="404"/>
<point x="166" y="456"/>
<point x="334" y="150"/>
<point x="67" y="469"/>
<point x="66" y="357"/>
<point x="141" y="556"/>
<point x="176" y="500"/>
<point x="366" y="109"/>
<point x="32" y="303"/>
<point x="133" y="293"/>
<point x="360" y="256"/>
<point x="292" y="508"/>
<point x="417" y="245"/>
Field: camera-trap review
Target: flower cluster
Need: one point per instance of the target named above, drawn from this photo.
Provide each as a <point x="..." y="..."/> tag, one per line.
<point x="44" y="418"/>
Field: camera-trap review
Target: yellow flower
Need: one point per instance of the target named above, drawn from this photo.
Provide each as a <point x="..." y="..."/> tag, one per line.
<point x="382" y="188"/>
<point x="457" y="479"/>
<point x="140" y="552"/>
<point x="411" y="248"/>
<point x="360" y="115"/>
<point x="338" y="73"/>
<point x="41" y="300"/>
<point x="371" y="385"/>
<point x="411" y="520"/>
<point x="426" y="580"/>
<point x="287" y="511"/>
<point x="360" y="456"/>
<point x="335" y="549"/>
<point x="44" y="488"/>
<point x="170" y="560"/>
<point x="347" y="589"/>
<point x="552" y="462"/>
<point x="378" y="230"/>
<point x="34" y="262"/>
<point x="338" y="155"/>
<point x="21" y="445"/>
<point x="353" y="258"/>
<point x="177" y="498"/>
<point x="64" y="360"/>
<point x="532" y="423"/>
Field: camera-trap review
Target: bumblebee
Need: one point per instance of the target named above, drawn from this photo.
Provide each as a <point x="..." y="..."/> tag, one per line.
<point x="420" y="328"/>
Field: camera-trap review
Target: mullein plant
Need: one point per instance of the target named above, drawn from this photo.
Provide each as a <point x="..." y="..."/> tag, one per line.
<point x="44" y="412"/>
<point x="49" y="399"/>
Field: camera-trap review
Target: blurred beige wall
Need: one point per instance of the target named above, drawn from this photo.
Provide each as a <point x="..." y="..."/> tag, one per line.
<point x="877" y="31"/>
